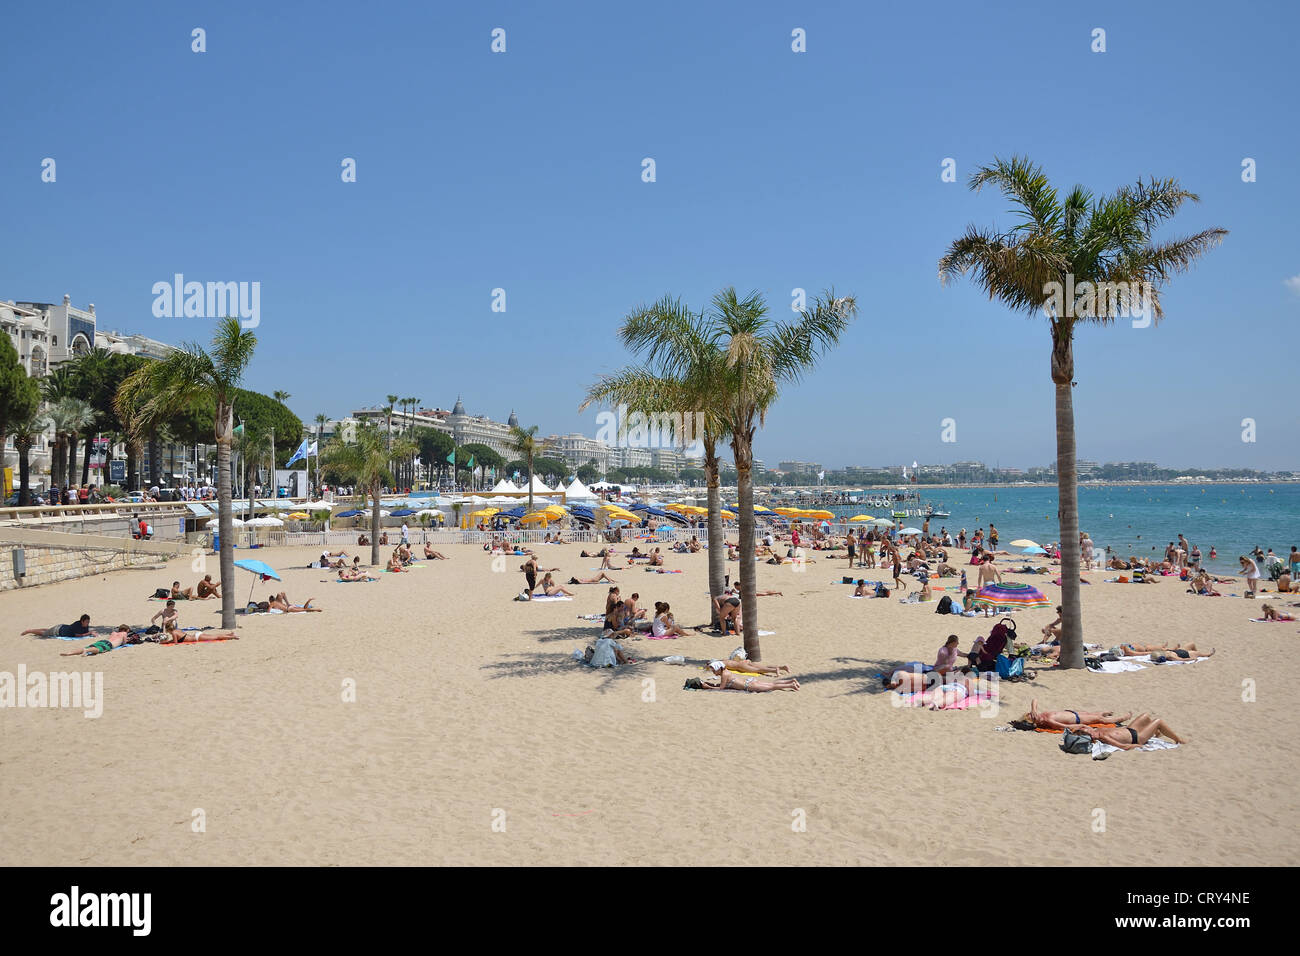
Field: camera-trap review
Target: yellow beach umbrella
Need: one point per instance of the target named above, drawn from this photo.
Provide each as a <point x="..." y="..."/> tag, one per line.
<point x="788" y="512"/>
<point x="821" y="515"/>
<point x="726" y="514"/>
<point x="1024" y="543"/>
<point x="298" y="515"/>
<point x="536" y="517"/>
<point x="484" y="512"/>
<point x="861" y="518"/>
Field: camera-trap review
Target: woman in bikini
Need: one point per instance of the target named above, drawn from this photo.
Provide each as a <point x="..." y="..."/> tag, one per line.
<point x="1069" y="719"/>
<point x="173" y="636"/>
<point x="739" y="662"/>
<point x="1142" y="729"/>
<point x="729" y="681"/>
<point x="1272" y="614"/>
<point x="602" y="577"/>
<point x="551" y="589"/>
<point x="1183" y="651"/>
<point x="280" y="602"/>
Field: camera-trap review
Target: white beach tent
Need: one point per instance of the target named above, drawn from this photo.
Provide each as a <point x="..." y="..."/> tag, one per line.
<point x="538" y="487"/>
<point x="577" y="491"/>
<point x="505" y="484"/>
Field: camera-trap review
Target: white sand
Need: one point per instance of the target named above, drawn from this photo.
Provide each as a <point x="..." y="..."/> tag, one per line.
<point x="468" y="703"/>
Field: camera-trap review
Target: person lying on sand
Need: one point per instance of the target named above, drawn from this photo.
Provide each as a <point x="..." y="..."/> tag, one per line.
<point x="550" y="588"/>
<point x="80" y="629"/>
<point x="1142" y="729"/>
<point x="729" y="681"/>
<point x="207" y="588"/>
<point x="739" y="662"/>
<point x="1273" y="614"/>
<point x="104" y="645"/>
<point x="432" y="555"/>
<point x="354" y="574"/>
<point x="173" y="636"/>
<point x="1068" y="719"/>
<point x="1184" y="651"/>
<point x="280" y="602"/>
<point x="602" y="577"/>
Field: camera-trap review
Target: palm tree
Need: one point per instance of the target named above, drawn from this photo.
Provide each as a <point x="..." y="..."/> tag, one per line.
<point x="321" y="419"/>
<point x="27" y="426"/>
<point x="523" y="442"/>
<point x="365" y="461"/>
<point x="95" y="383"/>
<point x="388" y="413"/>
<point x="760" y="356"/>
<point x="188" y="374"/>
<point x="684" y="366"/>
<point x="1061" y="244"/>
<point x="69" y="416"/>
<point x="280" y="396"/>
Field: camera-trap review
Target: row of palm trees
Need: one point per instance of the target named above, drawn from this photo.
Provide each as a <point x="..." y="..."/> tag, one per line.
<point x="729" y="362"/>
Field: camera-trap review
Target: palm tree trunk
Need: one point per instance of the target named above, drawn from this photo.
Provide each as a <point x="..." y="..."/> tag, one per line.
<point x="88" y="444"/>
<point x="24" y="474"/>
<point x="226" y="527"/>
<point x="717" y="552"/>
<point x="1068" y="505"/>
<point x="72" y="457"/>
<point x="742" y="451"/>
<point x="374" y="524"/>
<point x="133" y="466"/>
<point x="56" y="461"/>
<point x="530" y="484"/>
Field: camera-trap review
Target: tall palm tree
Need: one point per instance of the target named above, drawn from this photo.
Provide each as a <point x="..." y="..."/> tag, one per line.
<point x="27" y="426"/>
<point x="760" y="356"/>
<point x="523" y="442"/>
<point x="68" y="417"/>
<point x="365" y="461"/>
<point x="388" y="413"/>
<point x="1060" y="244"/>
<point x="681" y="375"/>
<point x="280" y="396"/>
<point x="188" y="374"/>
<point x="321" y="419"/>
<point x="95" y="383"/>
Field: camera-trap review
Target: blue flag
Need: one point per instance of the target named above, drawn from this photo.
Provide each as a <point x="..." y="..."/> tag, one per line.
<point x="300" y="453"/>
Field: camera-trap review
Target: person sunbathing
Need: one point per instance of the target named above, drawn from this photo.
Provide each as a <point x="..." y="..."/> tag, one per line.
<point x="1141" y="650"/>
<point x="181" y="594"/>
<point x="739" y="662"/>
<point x="656" y="559"/>
<point x="280" y="602"/>
<point x="1272" y="614"/>
<point x="1137" y="733"/>
<point x="395" y="563"/>
<point x="862" y="590"/>
<point x="207" y="589"/>
<point x="432" y="555"/>
<point x="80" y="629"/>
<point x="104" y="645"/>
<point x="551" y="589"/>
<point x="729" y="681"/>
<point x="602" y="577"/>
<point x="1063" y="719"/>
<point x="171" y="635"/>
<point x="663" y="624"/>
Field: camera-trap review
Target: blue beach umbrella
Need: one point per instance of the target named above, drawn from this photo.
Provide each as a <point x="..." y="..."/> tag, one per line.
<point x="402" y="513"/>
<point x="1034" y="550"/>
<point x="349" y="514"/>
<point x="259" y="568"/>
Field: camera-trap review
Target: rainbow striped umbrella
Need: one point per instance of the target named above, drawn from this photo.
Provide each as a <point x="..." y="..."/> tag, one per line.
<point x="1011" y="595"/>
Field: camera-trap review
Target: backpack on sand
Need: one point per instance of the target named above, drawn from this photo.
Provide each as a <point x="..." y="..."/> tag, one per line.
<point x="1076" y="743"/>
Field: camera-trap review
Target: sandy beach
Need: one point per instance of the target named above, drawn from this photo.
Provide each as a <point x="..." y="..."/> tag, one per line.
<point x="474" y="738"/>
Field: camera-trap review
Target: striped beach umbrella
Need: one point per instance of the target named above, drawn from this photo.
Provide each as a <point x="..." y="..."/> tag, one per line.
<point x="1011" y="595"/>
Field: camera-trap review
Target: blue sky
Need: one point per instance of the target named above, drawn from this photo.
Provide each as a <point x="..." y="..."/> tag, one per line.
<point x="775" y="170"/>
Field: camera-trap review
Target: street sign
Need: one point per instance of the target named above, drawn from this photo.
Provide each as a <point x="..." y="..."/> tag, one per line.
<point x="117" y="471"/>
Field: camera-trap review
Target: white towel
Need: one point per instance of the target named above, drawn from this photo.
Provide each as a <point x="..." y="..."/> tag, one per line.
<point x="552" y="597"/>
<point x="1118" y="667"/>
<point x="1155" y="743"/>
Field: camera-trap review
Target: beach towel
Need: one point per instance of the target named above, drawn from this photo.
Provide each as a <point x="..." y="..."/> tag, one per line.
<point x="664" y="570"/>
<point x="1052" y="730"/>
<point x="970" y="700"/>
<point x="1155" y="743"/>
<point x="1118" y="667"/>
<point x="1264" y="620"/>
<point x="552" y="597"/>
<point x="591" y="617"/>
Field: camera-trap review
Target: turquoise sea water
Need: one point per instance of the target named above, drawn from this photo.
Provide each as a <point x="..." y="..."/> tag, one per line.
<point x="1133" y="519"/>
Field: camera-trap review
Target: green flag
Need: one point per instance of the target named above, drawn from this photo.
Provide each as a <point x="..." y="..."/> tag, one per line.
<point x="238" y="430"/>
<point x="451" y="459"/>
<point x="471" y="462"/>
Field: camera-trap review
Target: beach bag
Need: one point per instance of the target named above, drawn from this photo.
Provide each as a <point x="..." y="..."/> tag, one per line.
<point x="882" y="591"/>
<point x="1073" y="743"/>
<point x="1008" y="667"/>
<point x="162" y="593"/>
<point x="945" y="605"/>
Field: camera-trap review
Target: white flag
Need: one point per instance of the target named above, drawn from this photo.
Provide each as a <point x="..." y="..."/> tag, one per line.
<point x="821" y="476"/>
<point x="312" y="450"/>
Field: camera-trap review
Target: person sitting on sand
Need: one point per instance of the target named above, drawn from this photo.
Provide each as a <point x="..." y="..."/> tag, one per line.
<point x="614" y="626"/>
<point x="634" y="615"/>
<point x="862" y="590"/>
<point x="926" y="593"/>
<point x="729" y="681"/>
<point x="948" y="655"/>
<point x="1272" y="614"/>
<point x="362" y="541"/>
<point x="168" y="613"/>
<point x="1137" y="733"/>
<point x="104" y="645"/>
<point x="171" y="635"/>
<point x="663" y="624"/>
<point x="1053" y="630"/>
<point x="181" y="594"/>
<point x="207" y="588"/>
<point x="1068" y="719"/>
<point x="598" y="579"/>
<point x="395" y="563"/>
<point x="551" y="589"/>
<point x="432" y="555"/>
<point x="656" y="559"/>
<point x="354" y="574"/>
<point x="80" y="629"/>
<point x="383" y="539"/>
<point x="989" y="573"/>
<point x="280" y="602"/>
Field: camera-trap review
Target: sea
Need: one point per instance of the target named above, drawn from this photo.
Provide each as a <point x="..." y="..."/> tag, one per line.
<point x="1129" y="519"/>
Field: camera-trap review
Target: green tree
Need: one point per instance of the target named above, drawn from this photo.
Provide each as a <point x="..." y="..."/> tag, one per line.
<point x="588" y="474"/>
<point x="484" y="458"/>
<point x="20" y="398"/>
<point x="1060" y="244"/>
<point x="365" y="463"/>
<point x="523" y="442"/>
<point x="187" y="375"/>
<point x="26" y="429"/>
